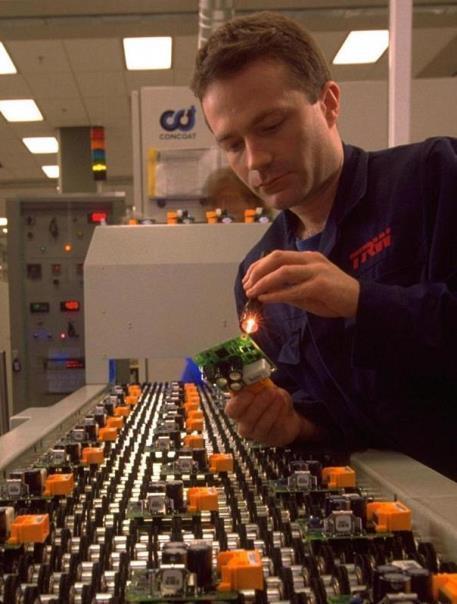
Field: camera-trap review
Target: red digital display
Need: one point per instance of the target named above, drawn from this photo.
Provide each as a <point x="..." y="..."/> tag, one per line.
<point x="74" y="364"/>
<point x="70" y="306"/>
<point x="98" y="217"/>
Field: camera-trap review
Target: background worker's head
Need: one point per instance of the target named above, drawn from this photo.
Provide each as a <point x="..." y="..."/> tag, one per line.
<point x="267" y="96"/>
<point x="223" y="189"/>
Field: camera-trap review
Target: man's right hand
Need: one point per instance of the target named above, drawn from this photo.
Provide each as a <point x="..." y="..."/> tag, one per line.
<point x="269" y="417"/>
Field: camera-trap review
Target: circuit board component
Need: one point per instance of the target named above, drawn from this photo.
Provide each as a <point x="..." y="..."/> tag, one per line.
<point x="235" y="364"/>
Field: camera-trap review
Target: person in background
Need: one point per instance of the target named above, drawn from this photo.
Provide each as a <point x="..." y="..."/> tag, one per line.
<point x="223" y="189"/>
<point x="360" y="291"/>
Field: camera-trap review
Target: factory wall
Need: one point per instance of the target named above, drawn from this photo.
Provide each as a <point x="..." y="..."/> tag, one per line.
<point x="364" y="113"/>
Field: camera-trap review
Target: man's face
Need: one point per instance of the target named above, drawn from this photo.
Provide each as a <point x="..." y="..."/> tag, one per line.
<point x="282" y="146"/>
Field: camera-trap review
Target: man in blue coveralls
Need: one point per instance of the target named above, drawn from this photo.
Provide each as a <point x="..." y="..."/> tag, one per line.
<point x="360" y="285"/>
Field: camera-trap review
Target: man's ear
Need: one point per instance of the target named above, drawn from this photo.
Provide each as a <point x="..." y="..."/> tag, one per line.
<point x="330" y="101"/>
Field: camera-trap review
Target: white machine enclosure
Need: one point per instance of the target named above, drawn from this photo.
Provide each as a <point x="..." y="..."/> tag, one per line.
<point x="161" y="292"/>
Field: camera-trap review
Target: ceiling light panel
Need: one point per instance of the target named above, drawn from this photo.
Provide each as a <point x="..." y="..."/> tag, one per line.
<point x="6" y="64"/>
<point x="362" y="47"/>
<point x="51" y="171"/>
<point x="148" y="53"/>
<point x="41" y="144"/>
<point x="20" y="110"/>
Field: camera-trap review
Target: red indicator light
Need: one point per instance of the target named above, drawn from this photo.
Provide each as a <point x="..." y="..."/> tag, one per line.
<point x="62" y="335"/>
<point x="74" y="364"/>
<point x="70" y="306"/>
<point x="67" y="247"/>
<point x="98" y="217"/>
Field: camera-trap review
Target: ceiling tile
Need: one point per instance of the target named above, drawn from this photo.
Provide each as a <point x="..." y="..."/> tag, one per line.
<point x="39" y="56"/>
<point x="136" y="80"/>
<point x="14" y="87"/>
<point x="64" y="112"/>
<point x="59" y="85"/>
<point x="95" y="55"/>
<point x="101" y="83"/>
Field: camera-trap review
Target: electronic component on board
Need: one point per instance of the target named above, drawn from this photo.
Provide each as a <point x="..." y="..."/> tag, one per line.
<point x="236" y="364"/>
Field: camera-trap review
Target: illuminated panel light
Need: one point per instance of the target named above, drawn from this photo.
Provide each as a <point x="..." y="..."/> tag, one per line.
<point x="362" y="47"/>
<point x="97" y="217"/>
<point x="51" y="171"/>
<point x="69" y="306"/>
<point x="3" y="222"/>
<point x="20" y="110"/>
<point x="41" y="144"/>
<point x="97" y="150"/>
<point x="147" y="53"/>
<point x="6" y="64"/>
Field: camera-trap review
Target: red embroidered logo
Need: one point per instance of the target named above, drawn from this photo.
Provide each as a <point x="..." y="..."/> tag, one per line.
<point x="371" y="248"/>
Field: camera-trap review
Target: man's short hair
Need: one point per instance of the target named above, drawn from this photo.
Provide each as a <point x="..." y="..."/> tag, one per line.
<point x="267" y="36"/>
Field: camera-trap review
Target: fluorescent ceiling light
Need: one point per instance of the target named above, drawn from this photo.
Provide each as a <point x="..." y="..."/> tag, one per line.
<point x="362" y="47"/>
<point x="41" y="144"/>
<point x="6" y="64"/>
<point x="3" y="221"/>
<point x="51" y="171"/>
<point x="20" y="110"/>
<point x="5" y="231"/>
<point x="147" y="53"/>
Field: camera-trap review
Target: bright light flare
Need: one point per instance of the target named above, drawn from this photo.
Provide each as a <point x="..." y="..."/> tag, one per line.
<point x="250" y="324"/>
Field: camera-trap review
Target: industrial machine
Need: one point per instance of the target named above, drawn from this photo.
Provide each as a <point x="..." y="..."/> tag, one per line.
<point x="47" y="246"/>
<point x="161" y="293"/>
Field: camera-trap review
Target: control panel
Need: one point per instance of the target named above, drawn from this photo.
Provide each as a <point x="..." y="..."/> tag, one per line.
<point x="48" y="245"/>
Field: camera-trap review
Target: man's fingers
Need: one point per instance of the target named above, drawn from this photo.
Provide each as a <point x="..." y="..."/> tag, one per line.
<point x="283" y="277"/>
<point x="275" y="260"/>
<point x="237" y="405"/>
<point x="266" y="422"/>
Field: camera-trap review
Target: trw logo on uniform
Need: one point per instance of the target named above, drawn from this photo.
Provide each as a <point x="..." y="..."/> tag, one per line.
<point x="371" y="248"/>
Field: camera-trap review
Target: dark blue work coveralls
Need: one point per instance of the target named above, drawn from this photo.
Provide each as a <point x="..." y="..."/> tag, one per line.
<point x="387" y="378"/>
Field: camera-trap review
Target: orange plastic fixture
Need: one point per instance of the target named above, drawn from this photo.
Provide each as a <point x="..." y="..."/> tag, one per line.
<point x="191" y="406"/>
<point x="172" y="218"/>
<point x="122" y="410"/>
<point x="107" y="433"/>
<point x="194" y="425"/>
<point x="389" y="516"/>
<point x="92" y="455"/>
<point x="444" y="586"/>
<point x="249" y="215"/>
<point x="59" y="484"/>
<point x="240" y="569"/>
<point x="194" y="441"/>
<point x="131" y="399"/>
<point x="211" y="217"/>
<point x="115" y="422"/>
<point x="134" y="389"/>
<point x="32" y="528"/>
<point x="194" y="421"/>
<point x="221" y="462"/>
<point x="338" y="477"/>
<point x="202" y="498"/>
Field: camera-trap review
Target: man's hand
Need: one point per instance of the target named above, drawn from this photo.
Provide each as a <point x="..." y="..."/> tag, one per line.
<point x="269" y="417"/>
<point x="304" y="279"/>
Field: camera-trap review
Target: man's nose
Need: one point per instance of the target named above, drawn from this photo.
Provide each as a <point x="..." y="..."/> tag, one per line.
<point x="258" y="155"/>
